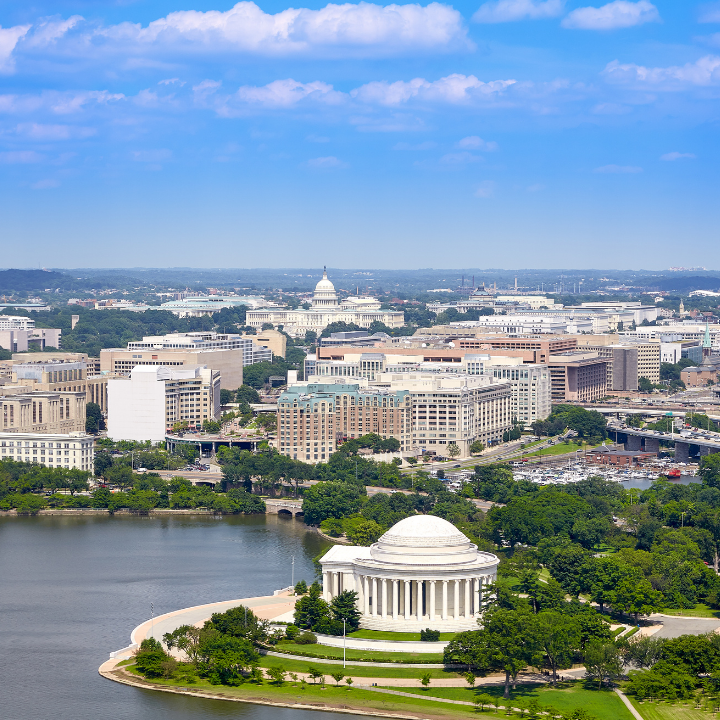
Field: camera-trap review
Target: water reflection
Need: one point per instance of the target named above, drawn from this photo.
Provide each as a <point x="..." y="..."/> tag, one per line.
<point x="73" y="587"/>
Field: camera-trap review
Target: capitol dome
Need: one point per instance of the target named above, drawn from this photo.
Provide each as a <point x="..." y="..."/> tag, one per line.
<point x="325" y="295"/>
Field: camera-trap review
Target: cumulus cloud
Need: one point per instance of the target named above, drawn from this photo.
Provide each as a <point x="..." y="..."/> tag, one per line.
<point x="47" y="184"/>
<point x="326" y="162"/>
<point x="709" y="13"/>
<point x="21" y="157"/>
<point x="8" y="40"/>
<point x="460" y="158"/>
<point x="499" y="11"/>
<point x="703" y="72"/>
<point x="451" y="89"/>
<point x="486" y="189"/>
<point x="618" y="170"/>
<point x="473" y="142"/>
<point x="151" y="156"/>
<point x="285" y="93"/>
<point x="617" y="14"/>
<point x="348" y="29"/>
<point x="669" y="157"/>
<point x="48" y="133"/>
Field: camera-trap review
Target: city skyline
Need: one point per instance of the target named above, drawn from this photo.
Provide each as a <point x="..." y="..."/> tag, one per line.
<point x="512" y="134"/>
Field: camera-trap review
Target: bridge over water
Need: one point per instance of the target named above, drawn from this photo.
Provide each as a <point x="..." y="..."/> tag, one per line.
<point x="636" y="439"/>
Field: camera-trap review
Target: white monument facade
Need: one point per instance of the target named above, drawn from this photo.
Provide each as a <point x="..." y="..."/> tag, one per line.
<point x="422" y="573"/>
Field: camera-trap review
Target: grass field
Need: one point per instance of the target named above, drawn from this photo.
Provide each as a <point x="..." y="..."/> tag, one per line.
<point x="698" y="611"/>
<point x="354" y="671"/>
<point x="668" y="711"/>
<point x="559" y="449"/>
<point x="401" y="636"/>
<point x="603" y="704"/>
<point x="365" y="655"/>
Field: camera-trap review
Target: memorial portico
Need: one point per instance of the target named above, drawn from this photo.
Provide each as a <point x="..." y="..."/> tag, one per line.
<point x="421" y="573"/>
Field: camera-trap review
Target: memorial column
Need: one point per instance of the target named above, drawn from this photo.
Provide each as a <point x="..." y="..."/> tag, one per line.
<point x="444" y="599"/>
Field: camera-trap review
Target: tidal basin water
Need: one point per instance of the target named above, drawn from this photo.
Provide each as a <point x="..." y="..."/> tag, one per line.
<point x="72" y="589"/>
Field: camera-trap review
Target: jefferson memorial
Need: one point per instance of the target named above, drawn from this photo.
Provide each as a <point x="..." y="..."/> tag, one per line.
<point x="422" y="573"/>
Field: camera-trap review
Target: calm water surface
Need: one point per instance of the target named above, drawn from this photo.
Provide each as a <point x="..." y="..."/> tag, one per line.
<point x="72" y="589"/>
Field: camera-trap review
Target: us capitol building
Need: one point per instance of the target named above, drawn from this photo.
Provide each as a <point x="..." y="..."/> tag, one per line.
<point x="422" y="573"/>
<point x="326" y="309"/>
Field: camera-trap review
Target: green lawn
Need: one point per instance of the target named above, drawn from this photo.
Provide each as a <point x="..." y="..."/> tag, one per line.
<point x="329" y="697"/>
<point x="298" y="666"/>
<point x="602" y="704"/>
<point x="559" y="449"/>
<point x="381" y="635"/>
<point x="699" y="610"/>
<point x="365" y="655"/>
<point x="670" y="711"/>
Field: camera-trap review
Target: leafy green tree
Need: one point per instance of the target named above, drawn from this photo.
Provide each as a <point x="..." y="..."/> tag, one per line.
<point x="330" y="499"/>
<point x="558" y="636"/>
<point x="311" y="610"/>
<point x="337" y="677"/>
<point x="710" y="470"/>
<point x="247" y="394"/>
<point x="425" y="679"/>
<point x="226" y="396"/>
<point x="663" y="680"/>
<point x="223" y="659"/>
<point x="476" y="447"/>
<point x="603" y="662"/>
<point x="643" y="651"/>
<point x="150" y="658"/>
<point x="453" y="450"/>
<point x="277" y="674"/>
<point x="363" y="532"/>
<point x="94" y="420"/>
<point x="644" y="385"/>
<point x="301" y="588"/>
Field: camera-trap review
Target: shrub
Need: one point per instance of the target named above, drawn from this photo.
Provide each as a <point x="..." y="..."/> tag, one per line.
<point x="306" y="638"/>
<point x="429" y="635"/>
<point x="291" y="632"/>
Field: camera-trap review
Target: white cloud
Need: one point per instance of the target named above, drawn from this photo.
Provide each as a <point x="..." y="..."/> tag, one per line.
<point x="454" y="88"/>
<point x="499" y="11"/>
<point x="38" y="131"/>
<point x="9" y="38"/>
<point x="326" y="162"/>
<point x="473" y="142"/>
<point x="618" y="169"/>
<point x="486" y="189"/>
<point x="285" y="93"/>
<point x="45" y="184"/>
<point x="49" y="30"/>
<point x="709" y="13"/>
<point x="348" y="29"/>
<point x="461" y="158"/>
<point x="171" y="81"/>
<point x="703" y="72"/>
<point x="151" y="156"/>
<point x="428" y="145"/>
<point x="21" y="157"/>
<point x="617" y="14"/>
<point x="669" y="157"/>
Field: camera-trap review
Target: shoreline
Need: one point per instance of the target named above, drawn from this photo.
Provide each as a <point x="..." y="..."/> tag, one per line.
<point x="110" y="671"/>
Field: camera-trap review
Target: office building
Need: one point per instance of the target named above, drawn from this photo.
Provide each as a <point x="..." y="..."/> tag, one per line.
<point x="577" y="377"/>
<point x="74" y="450"/>
<point x="530" y="383"/>
<point x="145" y="405"/>
<point x="41" y="412"/>
<point x="272" y="340"/>
<point x="326" y="309"/>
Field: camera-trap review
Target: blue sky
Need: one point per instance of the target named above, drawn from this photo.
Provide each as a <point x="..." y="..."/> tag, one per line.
<point x="512" y="133"/>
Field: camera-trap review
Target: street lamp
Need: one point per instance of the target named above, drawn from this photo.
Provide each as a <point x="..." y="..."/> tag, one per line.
<point x="343" y="643"/>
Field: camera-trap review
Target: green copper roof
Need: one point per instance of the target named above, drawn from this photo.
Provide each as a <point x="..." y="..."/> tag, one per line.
<point x="707" y="343"/>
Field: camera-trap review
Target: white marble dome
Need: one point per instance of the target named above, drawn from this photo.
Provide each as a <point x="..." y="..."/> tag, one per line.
<point x="325" y="295"/>
<point x="424" y="540"/>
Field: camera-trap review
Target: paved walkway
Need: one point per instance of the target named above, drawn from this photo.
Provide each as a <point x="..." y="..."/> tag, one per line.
<point x="272" y="607"/>
<point x="673" y="626"/>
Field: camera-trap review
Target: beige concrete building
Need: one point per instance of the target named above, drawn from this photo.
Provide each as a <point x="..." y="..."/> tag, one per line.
<point x="648" y="352"/>
<point x="577" y="377"/>
<point x="271" y="339"/>
<point x="70" y="451"/>
<point x="43" y="412"/>
<point x="229" y="363"/>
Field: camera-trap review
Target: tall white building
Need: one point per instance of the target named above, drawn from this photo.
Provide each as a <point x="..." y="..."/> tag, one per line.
<point x="325" y="310"/>
<point x="147" y="404"/>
